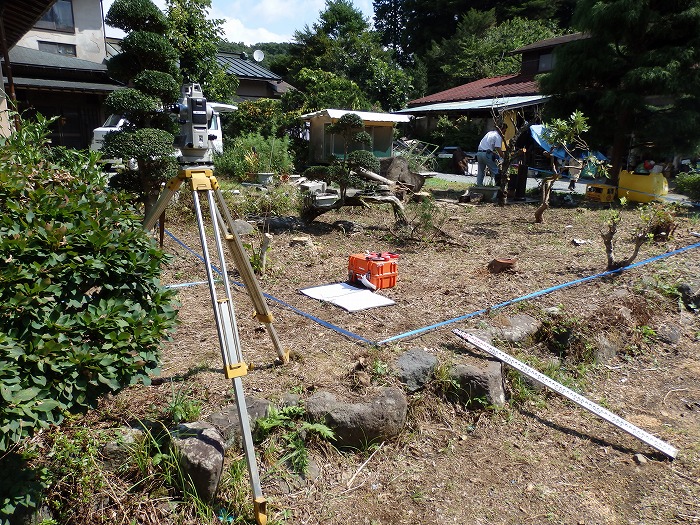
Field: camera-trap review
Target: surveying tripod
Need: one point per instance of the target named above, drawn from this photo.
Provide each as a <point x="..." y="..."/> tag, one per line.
<point x="202" y="182"/>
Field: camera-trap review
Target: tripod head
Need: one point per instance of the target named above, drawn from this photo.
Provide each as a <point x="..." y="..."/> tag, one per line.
<point x="194" y="113"/>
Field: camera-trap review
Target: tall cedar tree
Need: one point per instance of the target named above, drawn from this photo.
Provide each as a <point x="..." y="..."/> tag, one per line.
<point x="636" y="76"/>
<point x="409" y="27"/>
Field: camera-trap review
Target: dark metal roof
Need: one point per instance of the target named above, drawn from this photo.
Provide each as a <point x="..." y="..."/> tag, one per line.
<point x="550" y="43"/>
<point x="20" y="16"/>
<point x="239" y="65"/>
<point x="33" y="57"/>
<point x="34" y="69"/>
<point x="65" y="85"/>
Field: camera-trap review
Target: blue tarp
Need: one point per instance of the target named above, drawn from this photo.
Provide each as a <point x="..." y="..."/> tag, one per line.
<point x="560" y="153"/>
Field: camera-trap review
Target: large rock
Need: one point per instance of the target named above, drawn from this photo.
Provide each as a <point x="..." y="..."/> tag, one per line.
<point x="228" y="424"/>
<point x="517" y="328"/>
<point x="360" y="424"/>
<point x="415" y="368"/>
<point x="393" y="168"/>
<point x="478" y="386"/>
<point x="116" y="453"/>
<point x="396" y="169"/>
<point x="200" y="449"/>
<point x="669" y="333"/>
<point x="605" y="347"/>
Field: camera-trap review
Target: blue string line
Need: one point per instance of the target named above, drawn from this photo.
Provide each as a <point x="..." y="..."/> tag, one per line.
<point x="536" y="294"/>
<point x="455" y="319"/>
<point x="275" y="299"/>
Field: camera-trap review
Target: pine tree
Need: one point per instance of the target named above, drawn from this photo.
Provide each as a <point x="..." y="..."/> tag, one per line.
<point x="636" y="76"/>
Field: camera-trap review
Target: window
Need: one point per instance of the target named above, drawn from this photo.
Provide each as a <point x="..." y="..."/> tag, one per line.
<point x="57" y="48"/>
<point x="59" y="17"/>
<point x="546" y="63"/>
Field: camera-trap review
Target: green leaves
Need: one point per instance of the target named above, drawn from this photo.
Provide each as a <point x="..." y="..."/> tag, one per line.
<point x="82" y="312"/>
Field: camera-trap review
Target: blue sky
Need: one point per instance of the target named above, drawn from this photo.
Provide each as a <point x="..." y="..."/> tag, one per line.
<point x="262" y="20"/>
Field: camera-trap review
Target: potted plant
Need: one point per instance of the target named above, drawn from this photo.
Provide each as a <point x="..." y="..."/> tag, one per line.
<point x="256" y="169"/>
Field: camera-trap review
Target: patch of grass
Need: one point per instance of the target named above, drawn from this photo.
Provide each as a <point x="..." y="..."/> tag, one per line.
<point x="285" y="432"/>
<point x="647" y="333"/>
<point x="443" y="383"/>
<point x="182" y="408"/>
<point x="527" y="391"/>
<point x="437" y="183"/>
<point x="418" y="496"/>
<point x="234" y="493"/>
<point x="378" y="369"/>
<point x="74" y="470"/>
<point x="564" y="336"/>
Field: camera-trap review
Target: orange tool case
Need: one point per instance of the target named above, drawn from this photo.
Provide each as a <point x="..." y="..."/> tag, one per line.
<point x="380" y="269"/>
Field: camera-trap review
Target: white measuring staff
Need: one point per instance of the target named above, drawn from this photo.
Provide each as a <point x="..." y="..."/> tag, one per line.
<point x="592" y="407"/>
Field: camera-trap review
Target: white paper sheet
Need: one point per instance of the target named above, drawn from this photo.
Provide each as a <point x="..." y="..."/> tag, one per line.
<point x="346" y="296"/>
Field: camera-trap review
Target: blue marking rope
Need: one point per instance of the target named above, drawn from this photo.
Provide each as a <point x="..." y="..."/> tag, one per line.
<point x="537" y="294"/>
<point x="449" y="321"/>
<point x="268" y="296"/>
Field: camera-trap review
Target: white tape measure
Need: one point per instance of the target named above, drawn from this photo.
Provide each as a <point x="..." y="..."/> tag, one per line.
<point x="589" y="405"/>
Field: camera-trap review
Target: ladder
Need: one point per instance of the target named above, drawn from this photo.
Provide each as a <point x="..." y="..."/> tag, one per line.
<point x="203" y="183"/>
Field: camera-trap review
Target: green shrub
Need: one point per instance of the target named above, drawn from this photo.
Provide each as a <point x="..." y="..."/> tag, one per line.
<point x="158" y="84"/>
<point x="262" y="116"/>
<point x="363" y="159"/>
<point x="253" y="153"/>
<point x="128" y="100"/>
<point x="689" y="184"/>
<point x="151" y="50"/>
<point x="277" y="201"/>
<point x="82" y="311"/>
<point x="139" y="14"/>
<point x="461" y="132"/>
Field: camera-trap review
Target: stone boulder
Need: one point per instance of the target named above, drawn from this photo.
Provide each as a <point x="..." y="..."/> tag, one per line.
<point x="396" y="169"/>
<point x="415" y="368"/>
<point x="360" y="424"/>
<point x="115" y="453"/>
<point x="475" y="386"/>
<point x="200" y="449"/>
<point x="393" y="168"/>
<point x="228" y="424"/>
<point x="517" y="328"/>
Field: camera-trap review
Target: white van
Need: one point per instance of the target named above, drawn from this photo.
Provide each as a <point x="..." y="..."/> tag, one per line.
<point x="117" y="122"/>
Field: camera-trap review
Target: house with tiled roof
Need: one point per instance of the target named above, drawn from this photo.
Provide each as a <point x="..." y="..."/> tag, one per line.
<point x="481" y="98"/>
<point x="16" y="19"/>
<point x="254" y="80"/>
<point x="57" y="52"/>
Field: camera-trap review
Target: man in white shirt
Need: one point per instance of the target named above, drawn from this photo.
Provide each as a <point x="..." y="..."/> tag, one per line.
<point x="488" y="151"/>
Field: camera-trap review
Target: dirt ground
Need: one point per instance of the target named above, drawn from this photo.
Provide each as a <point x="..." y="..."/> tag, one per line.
<point x="538" y="460"/>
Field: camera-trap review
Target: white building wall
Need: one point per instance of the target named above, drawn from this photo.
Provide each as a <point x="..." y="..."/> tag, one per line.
<point x="88" y="38"/>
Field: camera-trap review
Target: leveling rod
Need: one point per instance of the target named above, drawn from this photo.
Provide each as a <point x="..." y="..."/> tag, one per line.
<point x="583" y="402"/>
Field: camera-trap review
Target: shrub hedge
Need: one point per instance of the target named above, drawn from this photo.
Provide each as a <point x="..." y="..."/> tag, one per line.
<point x="689" y="184"/>
<point x="82" y="310"/>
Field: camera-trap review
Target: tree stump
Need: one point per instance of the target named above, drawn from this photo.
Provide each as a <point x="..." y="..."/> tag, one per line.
<point x="503" y="265"/>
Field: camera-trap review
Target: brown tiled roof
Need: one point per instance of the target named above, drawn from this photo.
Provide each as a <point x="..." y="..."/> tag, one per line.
<point x="506" y="85"/>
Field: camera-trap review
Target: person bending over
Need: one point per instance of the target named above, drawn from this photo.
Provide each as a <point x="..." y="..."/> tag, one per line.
<point x="488" y="154"/>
